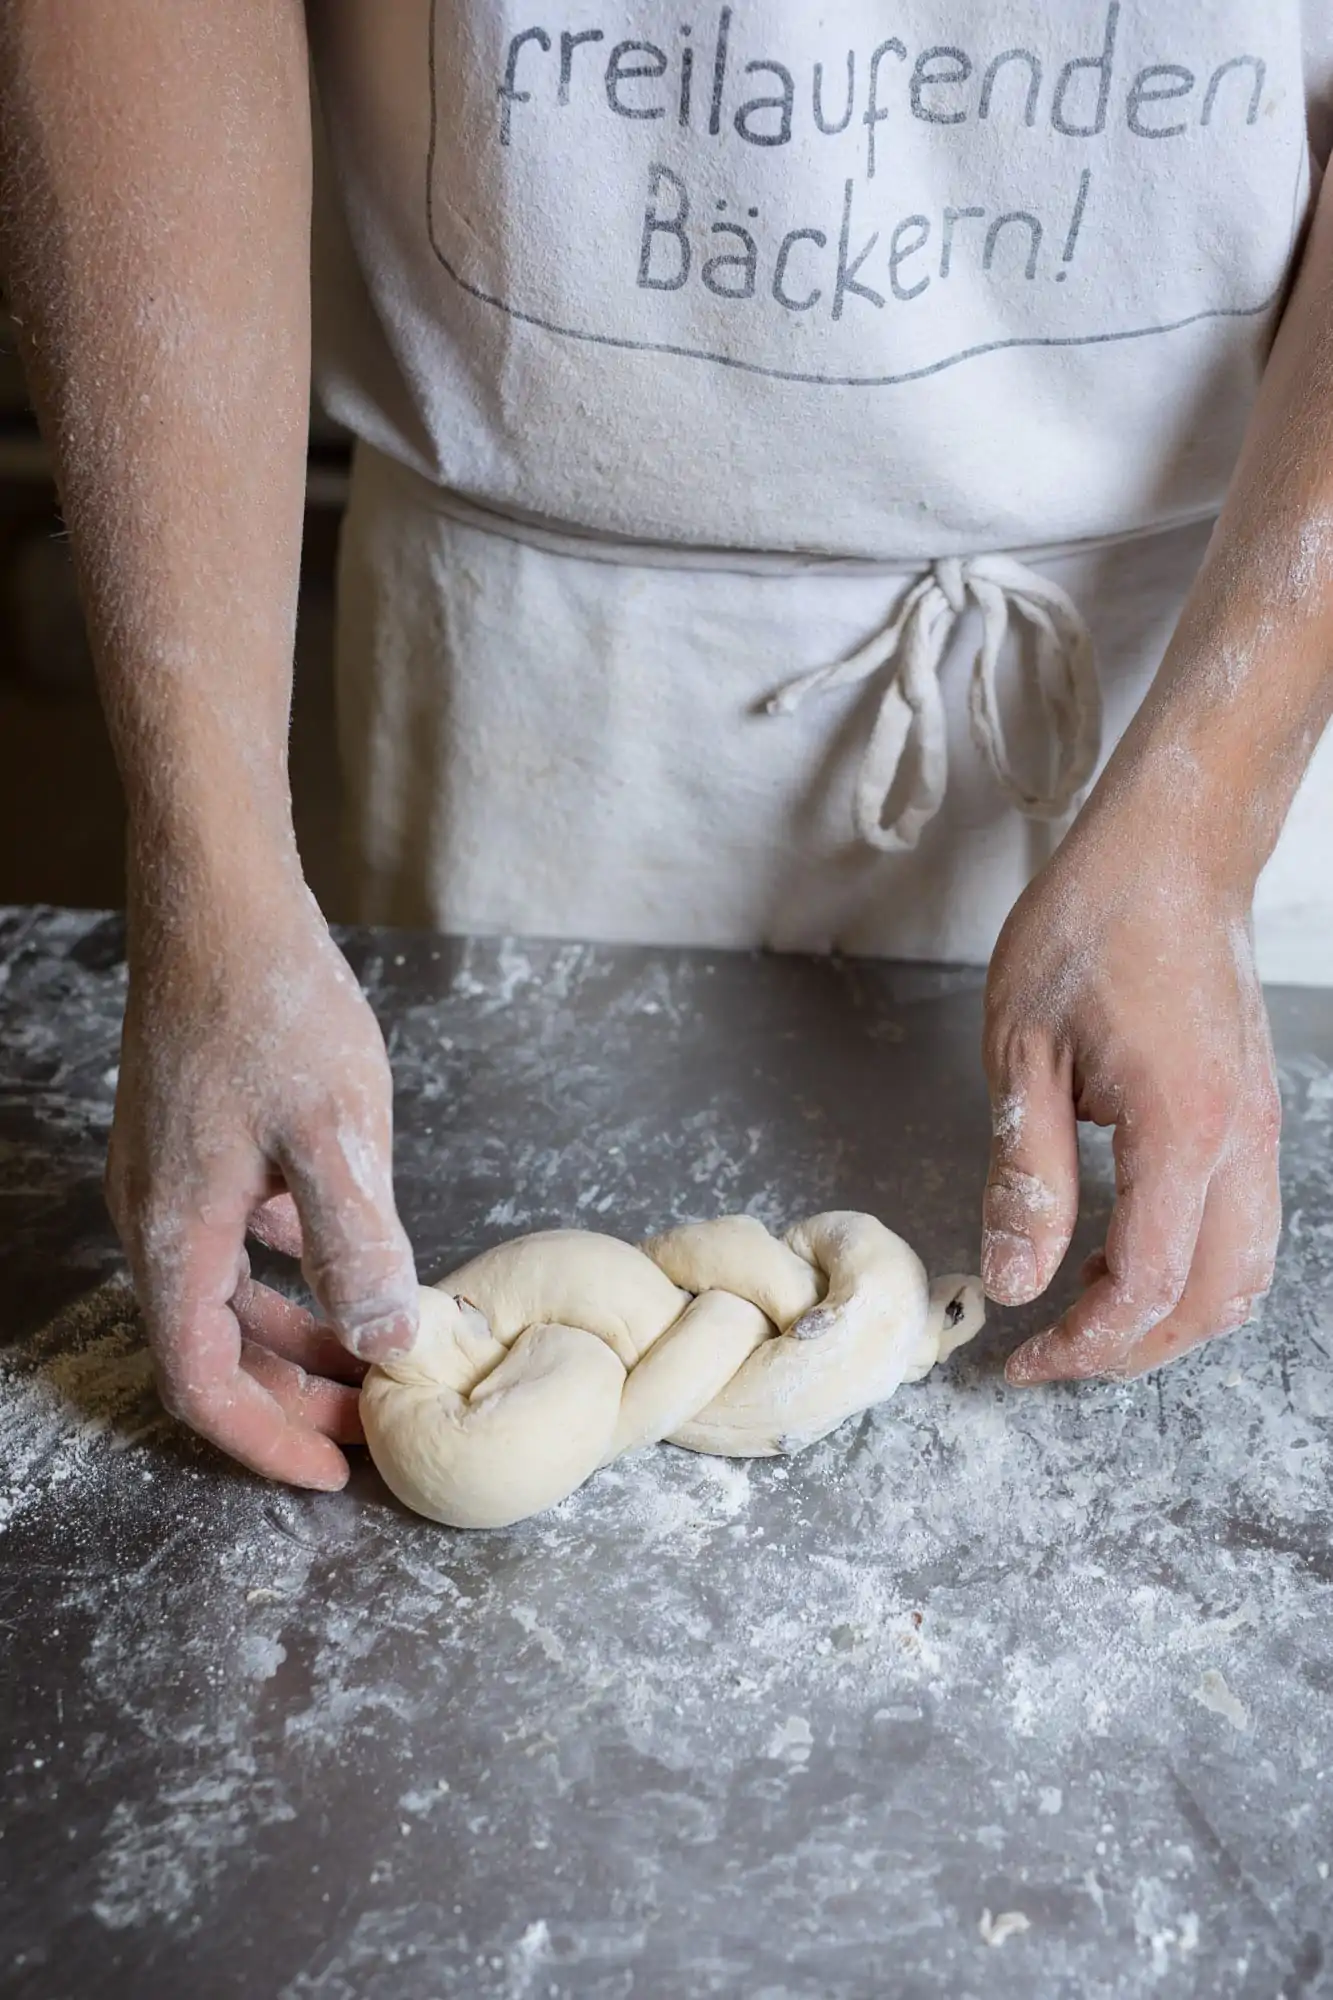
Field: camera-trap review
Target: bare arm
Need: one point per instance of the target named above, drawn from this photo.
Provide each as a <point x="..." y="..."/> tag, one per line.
<point x="1124" y="988"/>
<point x="157" y="191"/>
<point x="155" y="203"/>
<point x="1246" y="689"/>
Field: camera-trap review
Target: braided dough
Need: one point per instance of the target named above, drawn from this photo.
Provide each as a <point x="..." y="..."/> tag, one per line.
<point x="547" y="1357"/>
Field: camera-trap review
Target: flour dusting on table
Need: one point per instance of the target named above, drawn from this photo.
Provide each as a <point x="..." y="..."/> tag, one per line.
<point x="948" y="1662"/>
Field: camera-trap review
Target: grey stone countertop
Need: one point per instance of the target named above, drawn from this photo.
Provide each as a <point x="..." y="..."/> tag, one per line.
<point x="991" y="1693"/>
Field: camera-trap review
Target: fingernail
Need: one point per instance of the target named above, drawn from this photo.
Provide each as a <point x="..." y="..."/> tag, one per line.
<point x="381" y="1338"/>
<point x="1031" y="1363"/>
<point x="1008" y="1266"/>
<point x="330" y="1482"/>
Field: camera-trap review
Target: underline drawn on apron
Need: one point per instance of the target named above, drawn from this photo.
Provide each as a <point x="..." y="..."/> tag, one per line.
<point x="849" y="274"/>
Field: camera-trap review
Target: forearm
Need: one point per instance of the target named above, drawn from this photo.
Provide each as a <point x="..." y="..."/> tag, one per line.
<point x="1246" y="688"/>
<point x="155" y="206"/>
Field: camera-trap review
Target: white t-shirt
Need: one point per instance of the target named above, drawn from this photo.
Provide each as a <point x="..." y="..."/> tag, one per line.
<point x="769" y="276"/>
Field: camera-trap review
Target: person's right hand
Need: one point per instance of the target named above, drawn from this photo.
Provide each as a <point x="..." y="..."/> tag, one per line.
<point x="254" y="1095"/>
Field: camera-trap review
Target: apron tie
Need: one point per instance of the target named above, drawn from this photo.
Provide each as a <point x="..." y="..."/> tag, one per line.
<point x="911" y="711"/>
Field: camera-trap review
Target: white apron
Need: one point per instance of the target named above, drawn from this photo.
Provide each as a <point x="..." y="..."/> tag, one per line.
<point x="763" y="422"/>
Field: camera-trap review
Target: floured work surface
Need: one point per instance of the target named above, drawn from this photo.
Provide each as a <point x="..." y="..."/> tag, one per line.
<point x="990" y="1694"/>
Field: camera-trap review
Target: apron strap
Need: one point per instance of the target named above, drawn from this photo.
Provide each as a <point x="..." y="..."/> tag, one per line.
<point x="910" y="651"/>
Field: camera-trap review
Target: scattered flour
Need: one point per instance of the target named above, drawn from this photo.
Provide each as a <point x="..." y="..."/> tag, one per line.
<point x="75" y="1392"/>
<point x="1213" y="1693"/>
<point x="1008" y="1116"/>
<point x="791" y="1741"/>
<point x="998" y="1930"/>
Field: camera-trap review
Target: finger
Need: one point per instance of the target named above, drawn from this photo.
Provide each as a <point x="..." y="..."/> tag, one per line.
<point x="186" y="1272"/>
<point x="357" y="1260"/>
<point x="307" y="1401"/>
<point x="1161" y="1187"/>
<point x="1234" y="1258"/>
<point x="288" y="1329"/>
<point x="276" y="1224"/>
<point x="211" y="1393"/>
<point x="1031" y="1200"/>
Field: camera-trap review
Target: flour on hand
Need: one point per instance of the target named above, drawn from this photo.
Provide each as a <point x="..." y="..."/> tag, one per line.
<point x="549" y="1356"/>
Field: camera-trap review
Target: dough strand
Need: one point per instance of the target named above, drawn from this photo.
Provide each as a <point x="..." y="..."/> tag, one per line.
<point x="549" y="1356"/>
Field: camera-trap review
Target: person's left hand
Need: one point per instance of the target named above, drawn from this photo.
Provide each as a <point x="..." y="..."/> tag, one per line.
<point x="1123" y="991"/>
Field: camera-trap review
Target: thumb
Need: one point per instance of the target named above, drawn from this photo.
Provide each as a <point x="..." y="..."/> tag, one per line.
<point x="1031" y="1200"/>
<point x="356" y="1256"/>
